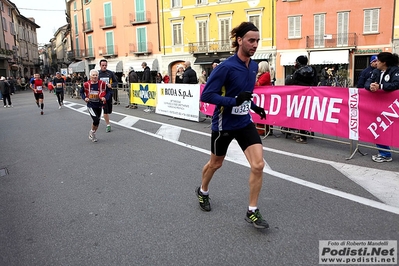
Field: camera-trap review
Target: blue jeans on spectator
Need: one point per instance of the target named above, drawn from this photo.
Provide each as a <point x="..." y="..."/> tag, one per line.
<point x="384" y="153"/>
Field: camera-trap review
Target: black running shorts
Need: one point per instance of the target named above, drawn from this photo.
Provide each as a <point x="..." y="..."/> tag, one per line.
<point x="245" y="137"/>
<point x="39" y="96"/>
<point x="108" y="107"/>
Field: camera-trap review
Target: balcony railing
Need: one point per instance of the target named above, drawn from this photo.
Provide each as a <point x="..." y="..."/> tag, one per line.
<point x="89" y="53"/>
<point x="139" y="48"/>
<point x="107" y="22"/>
<point x="210" y="47"/>
<point x="88" y="26"/>
<point x="141" y="17"/>
<point x="331" y="40"/>
<point x="4" y="53"/>
<point x="108" y="51"/>
<point x="79" y="53"/>
<point x="70" y="55"/>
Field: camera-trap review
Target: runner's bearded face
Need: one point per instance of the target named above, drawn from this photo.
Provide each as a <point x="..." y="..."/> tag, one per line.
<point x="249" y="43"/>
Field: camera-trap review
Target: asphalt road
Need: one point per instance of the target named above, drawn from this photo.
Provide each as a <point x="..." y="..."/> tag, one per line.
<point x="129" y="198"/>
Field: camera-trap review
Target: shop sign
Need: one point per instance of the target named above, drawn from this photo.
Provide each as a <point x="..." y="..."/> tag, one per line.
<point x="368" y="51"/>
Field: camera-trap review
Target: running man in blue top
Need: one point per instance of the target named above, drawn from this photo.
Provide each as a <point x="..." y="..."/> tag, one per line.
<point x="230" y="88"/>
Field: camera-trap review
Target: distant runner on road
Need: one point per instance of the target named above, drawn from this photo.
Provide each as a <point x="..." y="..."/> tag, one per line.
<point x="95" y="93"/>
<point x="37" y="87"/>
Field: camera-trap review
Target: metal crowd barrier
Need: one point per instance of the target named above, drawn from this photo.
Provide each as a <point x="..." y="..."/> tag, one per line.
<point x="354" y="145"/>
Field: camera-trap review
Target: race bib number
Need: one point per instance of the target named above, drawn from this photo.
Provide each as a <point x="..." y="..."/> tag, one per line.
<point x="93" y="96"/>
<point x="106" y="80"/>
<point x="59" y="85"/>
<point x="242" y="109"/>
<point x="39" y="88"/>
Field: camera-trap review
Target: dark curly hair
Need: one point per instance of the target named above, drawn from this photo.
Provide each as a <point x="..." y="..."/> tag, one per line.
<point x="388" y="58"/>
<point x="240" y="31"/>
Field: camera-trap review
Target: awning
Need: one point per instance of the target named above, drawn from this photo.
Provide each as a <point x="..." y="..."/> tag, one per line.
<point x="207" y="60"/>
<point x="261" y="56"/>
<point x="289" y="58"/>
<point x="204" y="61"/>
<point x="116" y="66"/>
<point x="136" y="64"/>
<point x="77" y="67"/>
<point x="329" y="57"/>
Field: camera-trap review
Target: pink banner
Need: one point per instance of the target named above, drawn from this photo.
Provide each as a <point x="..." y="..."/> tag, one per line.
<point x="341" y="112"/>
<point x="379" y="117"/>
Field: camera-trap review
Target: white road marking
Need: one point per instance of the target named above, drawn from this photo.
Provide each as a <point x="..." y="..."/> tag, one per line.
<point x="169" y="133"/>
<point x="382" y="184"/>
<point x="83" y="109"/>
<point x="346" y="169"/>
<point x="129" y="121"/>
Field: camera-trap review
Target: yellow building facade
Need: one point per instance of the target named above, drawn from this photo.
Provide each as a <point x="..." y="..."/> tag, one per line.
<point x="198" y="30"/>
<point x="163" y="33"/>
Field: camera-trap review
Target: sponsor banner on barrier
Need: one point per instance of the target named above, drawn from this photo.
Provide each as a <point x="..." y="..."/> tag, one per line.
<point x="349" y="252"/>
<point x="349" y="113"/>
<point x="379" y="117"/>
<point x="178" y="100"/>
<point x="143" y="93"/>
<point x="317" y="110"/>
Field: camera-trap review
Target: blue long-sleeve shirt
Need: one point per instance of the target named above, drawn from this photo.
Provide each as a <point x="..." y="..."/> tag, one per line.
<point x="227" y="81"/>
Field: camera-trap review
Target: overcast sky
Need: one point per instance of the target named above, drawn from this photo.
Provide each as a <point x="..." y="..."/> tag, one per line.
<point x="48" y="14"/>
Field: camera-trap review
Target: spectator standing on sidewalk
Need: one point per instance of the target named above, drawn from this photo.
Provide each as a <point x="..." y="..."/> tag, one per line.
<point x="131" y="78"/>
<point x="272" y="75"/>
<point x="166" y="78"/>
<point x="12" y="83"/>
<point x="124" y="81"/>
<point x="179" y="74"/>
<point x="231" y="94"/>
<point x="202" y="78"/>
<point x="263" y="77"/>
<point x="146" y="78"/>
<point x="304" y="75"/>
<point x="215" y="63"/>
<point x="189" y="75"/>
<point x="384" y="77"/>
<point x="366" y="73"/>
<point x="111" y="80"/>
<point x="5" y="89"/>
<point x="158" y="78"/>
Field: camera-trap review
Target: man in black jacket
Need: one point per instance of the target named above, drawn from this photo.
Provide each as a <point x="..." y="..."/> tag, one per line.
<point x="131" y="78"/>
<point x="146" y="78"/>
<point x="304" y="75"/>
<point x="366" y="73"/>
<point x="189" y="75"/>
<point x="5" y="89"/>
